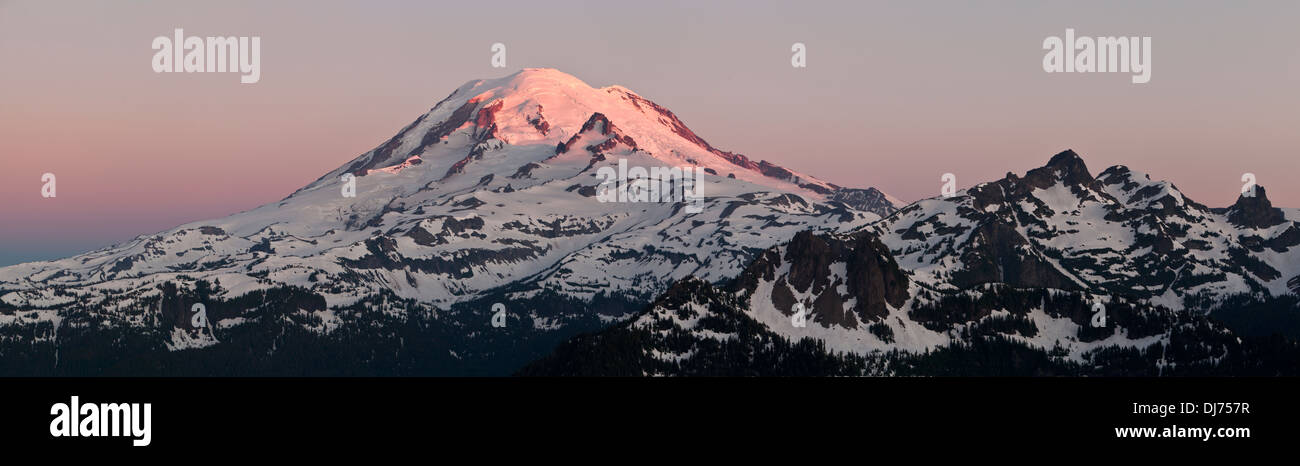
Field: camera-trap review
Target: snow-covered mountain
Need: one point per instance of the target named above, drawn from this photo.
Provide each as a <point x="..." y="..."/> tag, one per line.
<point x="1121" y="232"/>
<point x="490" y="197"/>
<point x="479" y="239"/>
<point x="1004" y="277"/>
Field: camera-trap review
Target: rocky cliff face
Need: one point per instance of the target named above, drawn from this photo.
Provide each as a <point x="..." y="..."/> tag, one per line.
<point x="842" y="281"/>
<point x="869" y="200"/>
<point x="1255" y="211"/>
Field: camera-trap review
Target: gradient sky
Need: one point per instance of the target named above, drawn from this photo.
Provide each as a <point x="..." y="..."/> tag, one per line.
<point x="895" y="94"/>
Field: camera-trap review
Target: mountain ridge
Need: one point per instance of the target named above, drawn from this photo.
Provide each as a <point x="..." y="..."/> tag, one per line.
<point x="986" y="283"/>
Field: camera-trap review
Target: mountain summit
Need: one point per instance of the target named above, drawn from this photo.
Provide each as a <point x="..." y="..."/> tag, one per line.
<point x="523" y="117"/>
